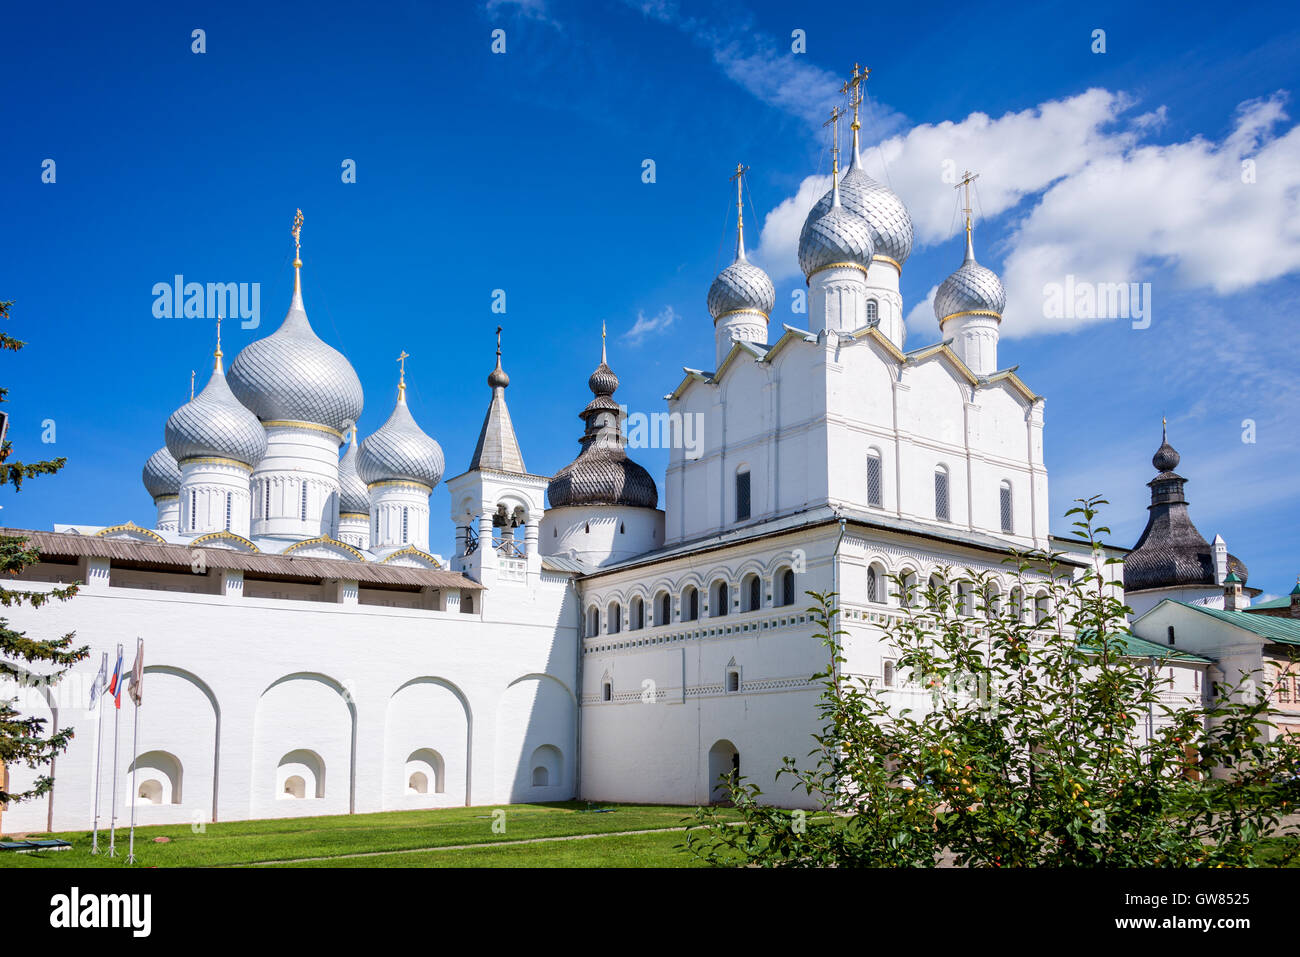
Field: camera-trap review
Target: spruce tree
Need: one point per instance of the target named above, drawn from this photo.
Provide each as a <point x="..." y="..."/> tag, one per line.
<point x="25" y="739"/>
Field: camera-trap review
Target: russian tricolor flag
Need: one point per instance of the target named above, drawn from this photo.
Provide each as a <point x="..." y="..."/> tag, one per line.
<point x="115" y="683"/>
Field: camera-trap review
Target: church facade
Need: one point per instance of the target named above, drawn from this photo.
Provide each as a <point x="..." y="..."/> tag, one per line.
<point x="307" y="654"/>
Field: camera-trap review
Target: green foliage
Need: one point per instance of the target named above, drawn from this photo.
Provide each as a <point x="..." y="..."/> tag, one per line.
<point x="1021" y="740"/>
<point x="21" y="737"/>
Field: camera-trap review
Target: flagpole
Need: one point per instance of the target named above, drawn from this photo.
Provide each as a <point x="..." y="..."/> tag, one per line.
<point x="99" y="751"/>
<point x="112" y="798"/>
<point x="135" y="748"/>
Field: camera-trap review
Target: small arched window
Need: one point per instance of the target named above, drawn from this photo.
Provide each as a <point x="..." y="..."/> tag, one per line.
<point x="873" y="310"/>
<point x="890" y="674"/>
<point x="303" y="509"/>
<point x="875" y="584"/>
<point x="786" y="590"/>
<point x="194" y="507"/>
<point x="691" y="604"/>
<point x="907" y="585"/>
<point x="1005" y="509"/>
<point x="733" y="680"/>
<point x="1040" y="607"/>
<point x="406" y="525"/>
<point x="875" y="479"/>
<point x="614" y="618"/>
<point x="665" y="615"/>
<point x="607" y="691"/>
<point x="742" y="493"/>
<point x="719" y="599"/>
<point x="229" y="508"/>
<point x="935" y="588"/>
<point x="941" y="509"/>
<point x="638" y="613"/>
<point x="752" y="589"/>
<point x="1016" y="606"/>
<point x="593" y="621"/>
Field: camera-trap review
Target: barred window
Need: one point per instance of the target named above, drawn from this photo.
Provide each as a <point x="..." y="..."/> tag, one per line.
<point x="742" y="495"/>
<point x="266" y="498"/>
<point x="303" y="509"/>
<point x="665" y="609"/>
<point x="875" y="590"/>
<point x="1008" y="524"/>
<point x="228" y="510"/>
<point x="875" y="480"/>
<point x="787" y="587"/>
<point x="873" y="310"/>
<point x="755" y="593"/>
<point x="194" y="506"/>
<point x="941" y="511"/>
<point x="406" y="519"/>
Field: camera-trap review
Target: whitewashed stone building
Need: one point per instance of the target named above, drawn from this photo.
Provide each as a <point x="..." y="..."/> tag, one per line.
<point x="307" y="654"/>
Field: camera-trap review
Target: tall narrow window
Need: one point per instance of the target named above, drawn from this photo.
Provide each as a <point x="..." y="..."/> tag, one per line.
<point x="875" y="589"/>
<point x="941" y="511"/>
<point x="721" y="599"/>
<point x="1004" y="494"/>
<point x="194" y="507"/>
<point x="873" y="310"/>
<point x="665" y="609"/>
<point x="787" y="587"/>
<point x="266" y="498"/>
<point x="691" y="611"/>
<point x="229" y="504"/>
<point x="303" y="509"/>
<point x="406" y="525"/>
<point x="755" y="593"/>
<point x="742" y="495"/>
<point x="875" y="480"/>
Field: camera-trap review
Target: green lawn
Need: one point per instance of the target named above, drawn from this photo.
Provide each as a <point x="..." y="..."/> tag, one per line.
<point x="272" y="841"/>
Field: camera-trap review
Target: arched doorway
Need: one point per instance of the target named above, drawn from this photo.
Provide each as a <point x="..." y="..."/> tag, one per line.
<point x="724" y="767"/>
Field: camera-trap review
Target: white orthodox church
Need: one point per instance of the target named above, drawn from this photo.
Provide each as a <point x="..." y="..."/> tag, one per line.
<point x="306" y="654"/>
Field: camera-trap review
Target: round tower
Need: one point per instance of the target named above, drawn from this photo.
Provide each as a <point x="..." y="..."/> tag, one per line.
<point x="742" y="297"/>
<point x="891" y="231"/>
<point x="400" y="465"/>
<point x="216" y="443"/>
<point x="969" y="304"/>
<point x="603" y="506"/>
<point x="354" y="500"/>
<point x="162" y="479"/>
<point x="307" y="397"/>
<point x="835" y="250"/>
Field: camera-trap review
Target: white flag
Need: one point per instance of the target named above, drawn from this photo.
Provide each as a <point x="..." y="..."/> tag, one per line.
<point x="101" y="679"/>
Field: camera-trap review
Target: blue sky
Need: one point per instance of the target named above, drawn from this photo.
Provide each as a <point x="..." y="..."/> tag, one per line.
<point x="522" y="171"/>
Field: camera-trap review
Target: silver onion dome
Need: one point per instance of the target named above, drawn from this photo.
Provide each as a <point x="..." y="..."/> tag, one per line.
<point x="742" y="287"/>
<point x="291" y="375"/>
<point x="971" y="290"/>
<point x="891" y="224"/>
<point x="836" y="236"/>
<point x="215" y="424"/>
<point x="161" y="475"/>
<point x="398" y="451"/>
<point x="352" y="491"/>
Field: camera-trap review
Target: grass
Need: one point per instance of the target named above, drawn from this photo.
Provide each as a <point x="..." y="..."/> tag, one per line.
<point x="271" y="841"/>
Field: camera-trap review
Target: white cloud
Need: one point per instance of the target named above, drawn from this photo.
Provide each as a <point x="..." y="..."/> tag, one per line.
<point x="529" y="9"/>
<point x="1098" y="204"/>
<point x="646" y="326"/>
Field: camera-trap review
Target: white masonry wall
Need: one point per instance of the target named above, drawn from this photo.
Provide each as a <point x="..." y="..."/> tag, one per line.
<point x="242" y="694"/>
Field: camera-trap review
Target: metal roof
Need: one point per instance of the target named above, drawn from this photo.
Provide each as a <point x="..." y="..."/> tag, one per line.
<point x="1135" y="647"/>
<point x="1283" y="630"/>
<point x="60" y="544"/>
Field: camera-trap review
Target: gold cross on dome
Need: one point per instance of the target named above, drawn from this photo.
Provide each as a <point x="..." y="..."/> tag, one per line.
<point x="401" y="362"/>
<point x="741" y="170"/>
<point x="966" y="179"/>
<point x="852" y="86"/>
<point x="836" y="113"/>
<point x="297" y="232"/>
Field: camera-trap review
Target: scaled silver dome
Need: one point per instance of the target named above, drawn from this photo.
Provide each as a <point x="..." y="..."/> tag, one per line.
<point x="834" y="236"/>
<point x="741" y="287"/>
<point x="352" y="491"/>
<point x="891" y="224"/>
<point x="398" y="451"/>
<point x="291" y="375"/>
<point x="161" y="475"/>
<point x="214" y="424"/>
<point x="971" y="289"/>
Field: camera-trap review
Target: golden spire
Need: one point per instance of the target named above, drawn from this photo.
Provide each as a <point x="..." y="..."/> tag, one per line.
<point x="602" y="343"/>
<point x="297" y="257"/>
<point x="966" y="179"/>
<point x="401" y="375"/>
<point x="216" y="356"/>
<point x="741" y="170"/>
<point x="853" y="87"/>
